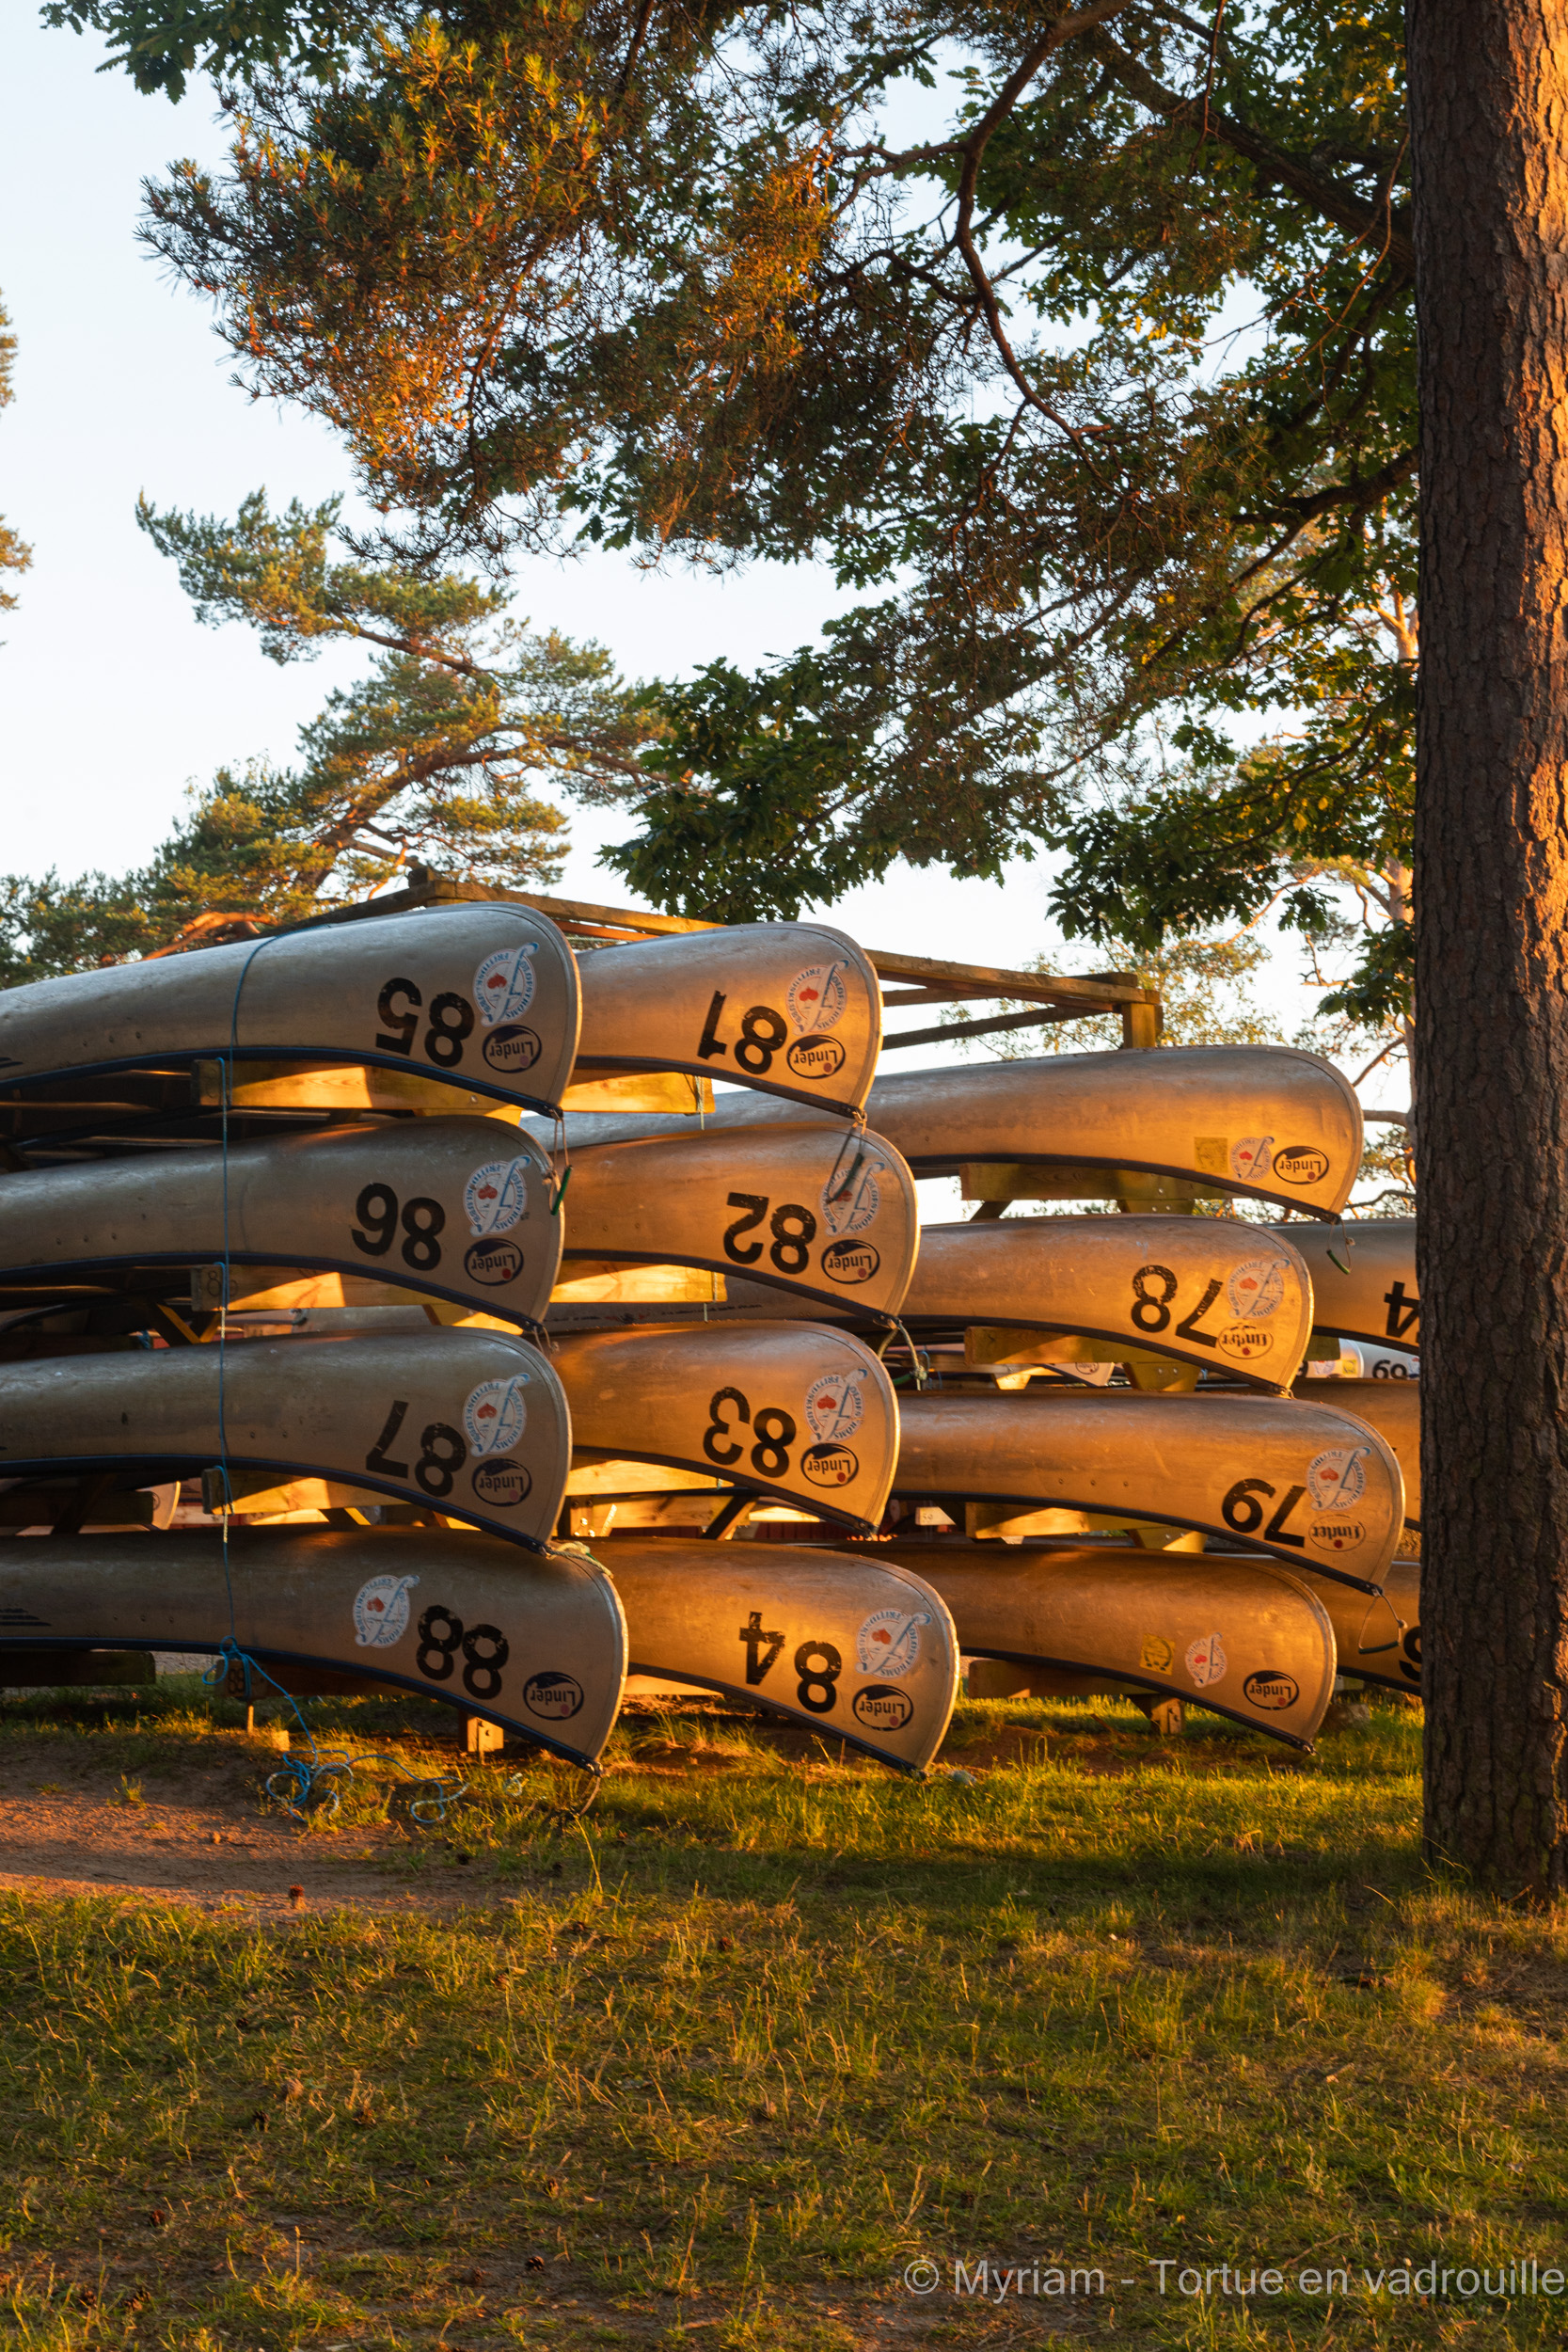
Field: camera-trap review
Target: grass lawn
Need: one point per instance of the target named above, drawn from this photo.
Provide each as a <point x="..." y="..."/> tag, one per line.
<point x="723" y="2061"/>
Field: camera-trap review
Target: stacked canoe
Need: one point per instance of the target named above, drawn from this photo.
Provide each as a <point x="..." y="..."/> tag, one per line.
<point x="401" y="1299"/>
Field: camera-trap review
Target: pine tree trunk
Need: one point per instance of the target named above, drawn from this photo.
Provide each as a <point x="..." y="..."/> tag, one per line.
<point x="1489" y="119"/>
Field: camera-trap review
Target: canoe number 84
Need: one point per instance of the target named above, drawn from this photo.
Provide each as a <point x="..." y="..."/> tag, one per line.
<point x="817" y="1665"/>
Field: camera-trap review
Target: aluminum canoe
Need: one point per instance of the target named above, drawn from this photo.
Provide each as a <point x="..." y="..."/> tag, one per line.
<point x="817" y="1212"/>
<point x="484" y="996"/>
<point x="471" y="1423"/>
<point x="1204" y="1289"/>
<point x="792" y="1411"/>
<point x="1244" y="1638"/>
<point x="1292" y="1477"/>
<point x="1167" y="1125"/>
<point x="1378" y="1635"/>
<point x="534" y="1643"/>
<point x="792" y="1010"/>
<point x="1364" y="1279"/>
<point x="837" y="1642"/>
<point x="456" y="1207"/>
<point x="1393" y="1409"/>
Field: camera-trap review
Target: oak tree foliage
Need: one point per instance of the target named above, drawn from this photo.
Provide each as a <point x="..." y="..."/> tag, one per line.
<point x="14" y="555"/>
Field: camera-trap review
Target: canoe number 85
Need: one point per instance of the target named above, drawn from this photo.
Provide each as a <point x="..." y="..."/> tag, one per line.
<point x="451" y="1020"/>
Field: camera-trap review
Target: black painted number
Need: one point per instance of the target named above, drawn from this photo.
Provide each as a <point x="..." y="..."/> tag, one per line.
<point x="1187" y="1328"/>
<point x="818" y="1666"/>
<point x="762" y="1033"/>
<point x="775" y="1435"/>
<point x="759" y="1639"/>
<point x="717" y="1436"/>
<point x="422" y="1219"/>
<point x="1243" y="1511"/>
<point x="439" y="1634"/>
<point x="377" y="1211"/>
<point x="794" y="1230"/>
<point x="485" y="1650"/>
<point x="1152" y="1309"/>
<point x="376" y="1458"/>
<point x="442" y="1454"/>
<point x="774" y="1430"/>
<point x="1403" y="1313"/>
<point x="745" y="1253"/>
<point x="792" y="1226"/>
<point x="398" y="1023"/>
<point x="451" y="1019"/>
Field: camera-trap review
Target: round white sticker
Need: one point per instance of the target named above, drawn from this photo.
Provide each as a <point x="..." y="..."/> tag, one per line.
<point x="381" y="1611"/>
<point x="816" y="997"/>
<point x="889" y="1642"/>
<point x="1257" y="1288"/>
<point x="495" y="1414"/>
<point x="1252" y="1158"/>
<point x="1205" y="1660"/>
<point x="834" y="1407"/>
<point x="495" y="1196"/>
<point x="1337" y="1478"/>
<point x="503" y="985"/>
<point x="850" y="1198"/>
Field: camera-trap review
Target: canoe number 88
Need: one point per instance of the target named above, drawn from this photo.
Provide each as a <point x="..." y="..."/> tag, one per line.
<point x="485" y="1650"/>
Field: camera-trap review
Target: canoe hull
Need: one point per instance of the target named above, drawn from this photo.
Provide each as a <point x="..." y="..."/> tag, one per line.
<point x="484" y="996"/>
<point x="806" y="1209"/>
<point x="792" y="1010"/>
<point x="536" y="1645"/>
<point x="1364" y="1279"/>
<point x="1206" y="1290"/>
<point x="457" y="1208"/>
<point x="1243" y="1638"/>
<point x="835" y="1643"/>
<point x="792" y="1411"/>
<point x="1305" y="1483"/>
<point x="472" y="1425"/>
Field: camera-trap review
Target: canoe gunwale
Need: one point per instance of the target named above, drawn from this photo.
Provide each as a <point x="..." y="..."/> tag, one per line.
<point x="255" y="1650"/>
<point x="726" y="1482"/>
<point x="1142" y="1682"/>
<point x="1200" y="1179"/>
<point x="1234" y="1373"/>
<point x="587" y="1068"/>
<point x="14" y="1095"/>
<point x="740" y="1696"/>
<point x="182" y="1465"/>
<point x="878" y="1316"/>
<point x="407" y="1279"/>
<point x="1046" y="1501"/>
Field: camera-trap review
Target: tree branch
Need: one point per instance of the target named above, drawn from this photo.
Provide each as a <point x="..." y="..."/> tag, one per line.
<point x="1331" y="197"/>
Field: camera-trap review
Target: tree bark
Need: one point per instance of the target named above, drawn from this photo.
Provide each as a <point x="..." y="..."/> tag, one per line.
<point x="1489" y="122"/>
